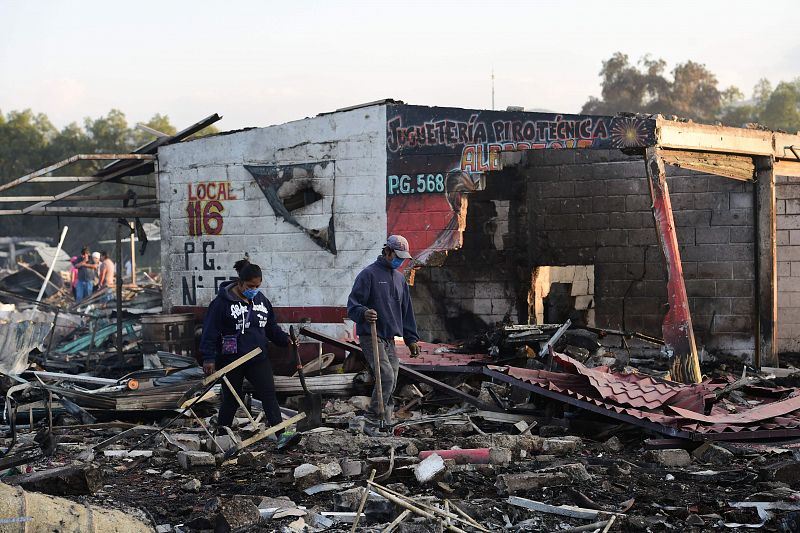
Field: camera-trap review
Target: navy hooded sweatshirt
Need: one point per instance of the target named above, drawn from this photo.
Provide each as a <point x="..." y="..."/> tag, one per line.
<point x="384" y="289"/>
<point x="227" y="315"/>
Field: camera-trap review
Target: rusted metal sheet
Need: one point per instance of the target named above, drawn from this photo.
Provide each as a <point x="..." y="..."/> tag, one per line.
<point x="669" y="408"/>
<point x="677" y="327"/>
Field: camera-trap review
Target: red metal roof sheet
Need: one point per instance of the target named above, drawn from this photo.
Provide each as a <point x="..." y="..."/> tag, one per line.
<point x="673" y="405"/>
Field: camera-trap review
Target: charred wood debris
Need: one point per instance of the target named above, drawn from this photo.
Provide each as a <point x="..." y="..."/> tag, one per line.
<point x="521" y="428"/>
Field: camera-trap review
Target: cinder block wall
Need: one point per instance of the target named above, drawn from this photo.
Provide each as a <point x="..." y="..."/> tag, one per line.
<point x="349" y="149"/>
<point x="788" y="208"/>
<point x="593" y="207"/>
<point x="481" y="283"/>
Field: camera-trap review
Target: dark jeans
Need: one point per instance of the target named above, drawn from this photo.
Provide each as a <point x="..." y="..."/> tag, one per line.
<point x="259" y="374"/>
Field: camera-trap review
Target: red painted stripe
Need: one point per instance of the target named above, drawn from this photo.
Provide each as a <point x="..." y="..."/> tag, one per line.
<point x="293" y="315"/>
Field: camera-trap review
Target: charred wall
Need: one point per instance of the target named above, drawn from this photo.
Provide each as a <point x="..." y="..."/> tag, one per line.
<point x="463" y="292"/>
<point x="593" y="207"/>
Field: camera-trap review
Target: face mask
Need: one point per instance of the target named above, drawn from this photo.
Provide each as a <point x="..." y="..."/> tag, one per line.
<point x="249" y="293"/>
<point x="397" y="261"/>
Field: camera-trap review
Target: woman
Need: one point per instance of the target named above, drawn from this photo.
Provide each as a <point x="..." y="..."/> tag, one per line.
<point x="239" y="320"/>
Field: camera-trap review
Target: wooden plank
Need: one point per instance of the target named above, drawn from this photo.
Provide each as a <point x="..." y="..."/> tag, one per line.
<point x="692" y="136"/>
<point x="766" y="265"/>
<point x="787" y="168"/>
<point x="677" y="326"/>
<point x="272" y="430"/>
<point x="737" y="167"/>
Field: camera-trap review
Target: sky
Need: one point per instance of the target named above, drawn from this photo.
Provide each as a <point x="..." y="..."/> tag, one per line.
<point x="258" y="63"/>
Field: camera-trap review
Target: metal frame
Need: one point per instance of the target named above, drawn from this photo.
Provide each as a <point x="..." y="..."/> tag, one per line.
<point x="139" y="163"/>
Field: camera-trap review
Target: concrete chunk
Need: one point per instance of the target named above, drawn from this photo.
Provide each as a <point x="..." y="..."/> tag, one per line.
<point x="429" y="468"/>
<point x="191" y="460"/>
<point x="351" y="467"/>
<point x="307" y="475"/>
<point x="613" y="445"/>
<point x="713" y="454"/>
<point x="185" y="442"/>
<point x="330" y="470"/>
<point x="193" y="485"/>
<point x="560" y="446"/>
<point x="557" y="475"/>
<point x="669" y="458"/>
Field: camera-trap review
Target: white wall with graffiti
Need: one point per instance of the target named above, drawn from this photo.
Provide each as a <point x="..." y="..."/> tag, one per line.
<point x="305" y="200"/>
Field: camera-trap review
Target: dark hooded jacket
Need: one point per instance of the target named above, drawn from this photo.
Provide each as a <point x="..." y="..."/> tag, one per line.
<point x="227" y="315"/>
<point x="384" y="289"/>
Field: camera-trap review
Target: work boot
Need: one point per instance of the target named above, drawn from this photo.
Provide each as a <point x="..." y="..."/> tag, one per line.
<point x="288" y="440"/>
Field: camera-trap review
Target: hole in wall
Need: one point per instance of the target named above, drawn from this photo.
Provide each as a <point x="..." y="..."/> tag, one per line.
<point x="301" y="198"/>
<point x="559" y="293"/>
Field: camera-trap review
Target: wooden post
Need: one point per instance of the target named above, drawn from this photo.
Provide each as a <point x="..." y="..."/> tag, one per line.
<point x="133" y="254"/>
<point x="766" y="264"/>
<point x="119" y="287"/>
<point x="677" y="326"/>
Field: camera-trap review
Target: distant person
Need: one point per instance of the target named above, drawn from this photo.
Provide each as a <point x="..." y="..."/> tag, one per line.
<point x="96" y="261"/>
<point x="106" y="271"/>
<point x="86" y="272"/>
<point x="73" y="273"/>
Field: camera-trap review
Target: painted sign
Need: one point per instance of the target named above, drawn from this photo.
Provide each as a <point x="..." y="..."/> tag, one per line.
<point x="436" y="155"/>
<point x="204" y="206"/>
<point x="197" y="258"/>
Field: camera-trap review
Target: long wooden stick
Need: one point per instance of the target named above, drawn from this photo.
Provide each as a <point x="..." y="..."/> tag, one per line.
<point x="413" y="508"/>
<point x="271" y="430"/>
<point x="396" y="521"/>
<point x="460" y="511"/>
<point x="363" y="501"/>
<point x="227" y="368"/>
<point x="377" y="367"/>
<point x="430" y="508"/>
<point x="240" y="402"/>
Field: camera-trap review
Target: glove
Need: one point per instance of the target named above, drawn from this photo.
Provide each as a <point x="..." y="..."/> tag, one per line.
<point x="414" y="349"/>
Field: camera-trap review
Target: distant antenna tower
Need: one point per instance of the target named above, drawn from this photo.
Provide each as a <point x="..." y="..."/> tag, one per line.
<point x="492" y="88"/>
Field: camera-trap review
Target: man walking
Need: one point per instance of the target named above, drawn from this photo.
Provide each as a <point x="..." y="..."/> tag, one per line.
<point x="380" y="294"/>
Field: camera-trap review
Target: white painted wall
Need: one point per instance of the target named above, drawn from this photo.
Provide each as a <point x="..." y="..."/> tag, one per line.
<point x="298" y="272"/>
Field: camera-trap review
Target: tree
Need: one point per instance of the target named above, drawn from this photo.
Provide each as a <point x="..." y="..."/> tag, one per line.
<point x="642" y="88"/>
<point x="777" y="109"/>
<point x="782" y="110"/>
<point x="23" y="139"/>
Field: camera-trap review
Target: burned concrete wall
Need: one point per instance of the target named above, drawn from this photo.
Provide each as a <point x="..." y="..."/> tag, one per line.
<point x="594" y="208"/>
<point x="305" y="200"/>
<point x="787" y="193"/>
<point x="461" y="225"/>
<point x="481" y="283"/>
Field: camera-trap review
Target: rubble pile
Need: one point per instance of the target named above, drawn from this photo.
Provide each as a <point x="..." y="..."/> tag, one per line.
<point x="525" y="428"/>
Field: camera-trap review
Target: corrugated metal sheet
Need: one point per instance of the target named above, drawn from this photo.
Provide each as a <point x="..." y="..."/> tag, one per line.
<point x="675" y="406"/>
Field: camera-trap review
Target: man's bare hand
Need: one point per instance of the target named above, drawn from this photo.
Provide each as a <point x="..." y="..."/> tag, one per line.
<point x="209" y="367"/>
<point x="371" y="315"/>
